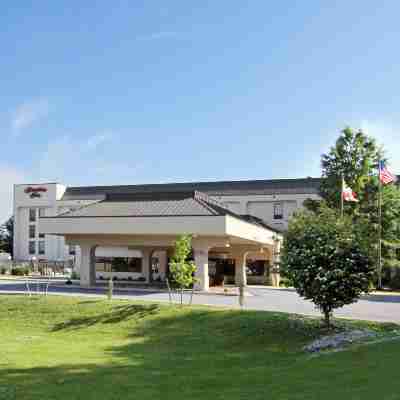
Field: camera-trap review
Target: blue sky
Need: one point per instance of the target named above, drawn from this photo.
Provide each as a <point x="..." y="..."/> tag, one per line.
<point x="128" y="92"/>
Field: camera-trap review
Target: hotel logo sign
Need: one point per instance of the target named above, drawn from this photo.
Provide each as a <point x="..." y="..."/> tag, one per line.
<point x="35" y="192"/>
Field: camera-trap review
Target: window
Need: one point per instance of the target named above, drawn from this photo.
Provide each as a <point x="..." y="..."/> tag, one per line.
<point x="72" y="250"/>
<point x="32" y="247"/>
<point x="118" y="264"/>
<point x="278" y="211"/>
<point x="41" y="235"/>
<point x="42" y="248"/>
<point x="103" y="264"/>
<point x="135" y="265"/>
<point x="32" y="215"/>
<point x="256" y="267"/>
<point x="32" y="231"/>
<point x="42" y="212"/>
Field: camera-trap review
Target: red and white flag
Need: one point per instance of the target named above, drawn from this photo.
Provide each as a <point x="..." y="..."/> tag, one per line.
<point x="385" y="175"/>
<point x="347" y="193"/>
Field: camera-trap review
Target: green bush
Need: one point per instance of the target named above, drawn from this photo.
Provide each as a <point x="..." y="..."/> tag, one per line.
<point x="394" y="283"/>
<point x="74" y="275"/>
<point x="391" y="277"/>
<point x="20" y="271"/>
<point x="3" y="270"/>
<point x="324" y="260"/>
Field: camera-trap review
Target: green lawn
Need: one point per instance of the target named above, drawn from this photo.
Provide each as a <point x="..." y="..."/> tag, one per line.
<point x="74" y="348"/>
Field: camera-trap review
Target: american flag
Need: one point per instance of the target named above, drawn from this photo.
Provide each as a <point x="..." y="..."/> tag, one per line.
<point x="385" y="175"/>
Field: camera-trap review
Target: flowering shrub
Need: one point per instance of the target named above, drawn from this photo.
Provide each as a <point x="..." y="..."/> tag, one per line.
<point x="323" y="260"/>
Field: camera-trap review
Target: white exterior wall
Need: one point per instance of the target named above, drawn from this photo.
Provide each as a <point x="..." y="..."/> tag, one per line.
<point x="262" y="206"/>
<point x="49" y="202"/>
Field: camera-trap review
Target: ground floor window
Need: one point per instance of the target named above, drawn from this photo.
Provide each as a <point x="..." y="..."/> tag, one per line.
<point x="118" y="264"/>
<point x="32" y="247"/>
<point x="42" y="247"/>
<point x="257" y="267"/>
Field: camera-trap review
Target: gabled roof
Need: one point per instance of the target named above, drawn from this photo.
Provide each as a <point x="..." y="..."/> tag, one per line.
<point x="158" y="204"/>
<point x="221" y="188"/>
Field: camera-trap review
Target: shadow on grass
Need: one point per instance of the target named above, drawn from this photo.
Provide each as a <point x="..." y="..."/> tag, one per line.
<point x="116" y="315"/>
<point x="179" y="353"/>
<point x="169" y="353"/>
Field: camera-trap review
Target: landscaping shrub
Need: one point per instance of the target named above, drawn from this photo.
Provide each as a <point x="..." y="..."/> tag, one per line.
<point x="20" y="271"/>
<point x="392" y="278"/>
<point x="74" y="275"/>
<point x="324" y="260"/>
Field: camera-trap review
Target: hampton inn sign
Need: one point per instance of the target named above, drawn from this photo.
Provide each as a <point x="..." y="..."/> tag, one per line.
<point x="35" y="192"/>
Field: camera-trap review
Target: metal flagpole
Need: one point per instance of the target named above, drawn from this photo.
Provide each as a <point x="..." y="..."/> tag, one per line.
<point x="341" y="199"/>
<point x="379" y="227"/>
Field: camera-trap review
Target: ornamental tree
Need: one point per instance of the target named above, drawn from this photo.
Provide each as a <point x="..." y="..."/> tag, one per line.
<point x="322" y="258"/>
<point x="181" y="268"/>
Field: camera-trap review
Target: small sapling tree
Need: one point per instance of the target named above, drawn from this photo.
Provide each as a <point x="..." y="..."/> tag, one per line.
<point x="181" y="269"/>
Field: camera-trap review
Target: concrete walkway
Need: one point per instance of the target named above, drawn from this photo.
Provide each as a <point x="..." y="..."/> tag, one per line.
<point x="376" y="307"/>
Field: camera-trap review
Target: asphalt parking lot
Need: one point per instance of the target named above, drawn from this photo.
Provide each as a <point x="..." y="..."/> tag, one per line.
<point x="376" y="307"/>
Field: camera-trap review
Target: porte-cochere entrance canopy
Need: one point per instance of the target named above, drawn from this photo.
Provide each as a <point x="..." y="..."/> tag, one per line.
<point x="152" y="221"/>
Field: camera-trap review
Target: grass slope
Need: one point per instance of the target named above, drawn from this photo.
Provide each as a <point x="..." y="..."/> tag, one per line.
<point x="71" y="348"/>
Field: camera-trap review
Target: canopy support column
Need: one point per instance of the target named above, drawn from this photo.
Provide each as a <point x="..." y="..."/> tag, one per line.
<point x="201" y="274"/>
<point x="88" y="265"/>
<point x="240" y="268"/>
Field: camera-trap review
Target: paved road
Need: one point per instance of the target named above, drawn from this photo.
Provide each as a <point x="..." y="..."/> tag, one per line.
<point x="385" y="308"/>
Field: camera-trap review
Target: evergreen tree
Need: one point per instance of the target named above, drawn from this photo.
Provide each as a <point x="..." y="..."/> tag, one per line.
<point x="355" y="157"/>
<point x="7" y="236"/>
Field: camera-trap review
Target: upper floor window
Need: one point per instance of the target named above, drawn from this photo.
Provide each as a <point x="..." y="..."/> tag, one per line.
<point x="32" y="231"/>
<point x="278" y="211"/>
<point x="32" y="215"/>
<point x="41" y="212"/>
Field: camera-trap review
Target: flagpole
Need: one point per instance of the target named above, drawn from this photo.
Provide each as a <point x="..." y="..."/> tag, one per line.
<point x="379" y="227"/>
<point x="341" y="199"/>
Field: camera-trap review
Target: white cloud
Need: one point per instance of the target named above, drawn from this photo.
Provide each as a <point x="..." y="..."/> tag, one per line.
<point x="26" y="114"/>
<point x="387" y="134"/>
<point x="8" y="177"/>
<point x="80" y="162"/>
<point x="96" y="140"/>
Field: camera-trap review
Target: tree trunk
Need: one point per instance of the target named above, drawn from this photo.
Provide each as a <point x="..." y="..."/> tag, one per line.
<point x="327" y="318"/>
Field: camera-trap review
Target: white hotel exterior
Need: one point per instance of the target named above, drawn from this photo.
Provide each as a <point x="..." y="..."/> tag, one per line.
<point x="237" y="220"/>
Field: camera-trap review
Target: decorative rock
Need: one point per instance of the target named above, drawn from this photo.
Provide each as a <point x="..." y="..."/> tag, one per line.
<point x="338" y="340"/>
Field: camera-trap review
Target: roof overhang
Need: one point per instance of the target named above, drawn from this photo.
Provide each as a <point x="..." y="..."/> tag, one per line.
<point x="209" y="226"/>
